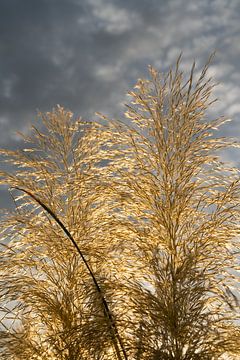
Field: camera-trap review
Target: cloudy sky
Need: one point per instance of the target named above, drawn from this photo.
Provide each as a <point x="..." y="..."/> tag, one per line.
<point x="86" y="54"/>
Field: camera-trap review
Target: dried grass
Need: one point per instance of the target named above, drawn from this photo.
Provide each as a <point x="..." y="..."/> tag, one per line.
<point x="124" y="241"/>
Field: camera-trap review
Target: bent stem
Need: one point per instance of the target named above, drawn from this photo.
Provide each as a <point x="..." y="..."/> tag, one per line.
<point x="117" y="341"/>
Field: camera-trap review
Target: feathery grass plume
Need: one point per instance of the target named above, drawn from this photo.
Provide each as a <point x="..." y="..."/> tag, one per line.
<point x="57" y="280"/>
<point x="124" y="241"/>
<point x="180" y="203"/>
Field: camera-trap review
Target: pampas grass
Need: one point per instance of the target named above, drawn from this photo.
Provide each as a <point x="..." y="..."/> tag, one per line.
<point x="124" y="240"/>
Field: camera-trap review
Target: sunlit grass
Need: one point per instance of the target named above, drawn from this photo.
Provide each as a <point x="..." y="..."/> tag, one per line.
<point x="124" y="239"/>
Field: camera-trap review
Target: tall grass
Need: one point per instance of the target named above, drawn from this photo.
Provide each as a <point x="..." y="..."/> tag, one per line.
<point x="124" y="241"/>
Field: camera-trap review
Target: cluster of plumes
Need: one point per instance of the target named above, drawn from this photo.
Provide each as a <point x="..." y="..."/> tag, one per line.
<point x="124" y="240"/>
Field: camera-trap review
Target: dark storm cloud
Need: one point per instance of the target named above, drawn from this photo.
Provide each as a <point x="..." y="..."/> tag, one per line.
<point x="36" y="49"/>
<point x="85" y="54"/>
<point x="82" y="54"/>
<point x="49" y="54"/>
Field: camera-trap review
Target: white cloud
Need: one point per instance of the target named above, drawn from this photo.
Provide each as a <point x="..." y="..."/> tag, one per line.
<point x="8" y="85"/>
<point x="112" y="18"/>
<point x="107" y="72"/>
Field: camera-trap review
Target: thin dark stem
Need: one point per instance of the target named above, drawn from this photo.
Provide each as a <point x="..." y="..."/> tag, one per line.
<point x="116" y="337"/>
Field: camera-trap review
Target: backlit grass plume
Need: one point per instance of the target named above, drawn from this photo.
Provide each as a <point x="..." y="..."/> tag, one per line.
<point x="124" y="241"/>
<point x="55" y="264"/>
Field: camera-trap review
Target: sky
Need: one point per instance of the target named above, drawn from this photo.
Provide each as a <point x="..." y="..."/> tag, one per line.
<point x="87" y="54"/>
